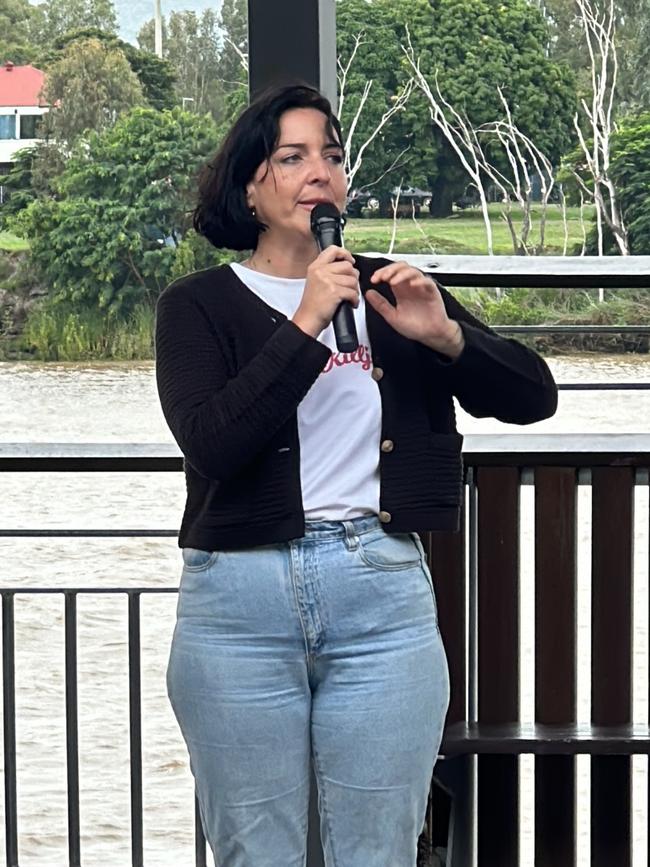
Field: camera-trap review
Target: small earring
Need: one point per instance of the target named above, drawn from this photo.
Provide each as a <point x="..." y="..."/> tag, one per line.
<point x="253" y="212"/>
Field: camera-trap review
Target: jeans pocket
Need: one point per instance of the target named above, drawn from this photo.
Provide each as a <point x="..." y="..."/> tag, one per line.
<point x="196" y="560"/>
<point x="389" y="551"/>
<point x="425" y="569"/>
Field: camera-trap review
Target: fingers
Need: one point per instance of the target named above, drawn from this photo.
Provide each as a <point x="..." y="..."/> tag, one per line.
<point x="381" y="305"/>
<point x="385" y="274"/>
<point x="400" y="272"/>
<point x="334" y="254"/>
<point x="342" y="268"/>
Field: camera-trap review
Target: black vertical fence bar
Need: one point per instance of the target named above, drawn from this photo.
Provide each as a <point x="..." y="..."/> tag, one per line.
<point x="199" y="837"/>
<point x="72" y="728"/>
<point x="9" y="728"/>
<point x="135" y="729"/>
<point x="555" y="659"/>
<point x="611" y="659"/>
<point x="446" y="556"/>
<point x="498" y="660"/>
<point x="446" y="560"/>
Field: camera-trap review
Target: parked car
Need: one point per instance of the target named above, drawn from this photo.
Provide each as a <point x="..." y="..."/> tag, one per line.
<point x="411" y="200"/>
<point x="358" y="200"/>
<point x="468" y="199"/>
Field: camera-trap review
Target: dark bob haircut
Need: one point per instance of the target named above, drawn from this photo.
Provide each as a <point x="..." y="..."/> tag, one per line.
<point x="222" y="213"/>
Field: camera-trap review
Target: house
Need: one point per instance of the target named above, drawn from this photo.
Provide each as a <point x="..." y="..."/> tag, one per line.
<point x="21" y="108"/>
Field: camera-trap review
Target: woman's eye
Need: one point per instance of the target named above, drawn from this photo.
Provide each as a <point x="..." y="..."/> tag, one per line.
<point x="291" y="158"/>
<point x="336" y="158"/>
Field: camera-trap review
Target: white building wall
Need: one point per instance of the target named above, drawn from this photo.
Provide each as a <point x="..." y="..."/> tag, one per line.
<point x="9" y="146"/>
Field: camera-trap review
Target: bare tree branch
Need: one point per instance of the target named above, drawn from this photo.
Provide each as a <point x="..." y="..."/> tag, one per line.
<point x="395" y="207"/>
<point x="343" y="77"/>
<point x="396" y="164"/>
<point x="353" y="163"/>
<point x="243" y="57"/>
<point x="458" y="136"/>
<point x="599" y="30"/>
<point x="399" y="101"/>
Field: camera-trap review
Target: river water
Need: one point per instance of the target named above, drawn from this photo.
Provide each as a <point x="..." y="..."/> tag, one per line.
<point x="81" y="403"/>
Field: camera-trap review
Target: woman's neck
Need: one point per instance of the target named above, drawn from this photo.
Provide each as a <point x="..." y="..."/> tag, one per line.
<point x="292" y="263"/>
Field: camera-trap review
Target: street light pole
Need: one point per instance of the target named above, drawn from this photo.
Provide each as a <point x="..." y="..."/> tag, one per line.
<point x="157" y="29"/>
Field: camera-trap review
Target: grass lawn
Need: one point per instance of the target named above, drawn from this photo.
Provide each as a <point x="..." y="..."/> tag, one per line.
<point x="463" y="233"/>
<point x="12" y="243"/>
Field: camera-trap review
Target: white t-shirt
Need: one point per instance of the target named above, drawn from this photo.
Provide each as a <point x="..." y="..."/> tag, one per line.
<point x="339" y="420"/>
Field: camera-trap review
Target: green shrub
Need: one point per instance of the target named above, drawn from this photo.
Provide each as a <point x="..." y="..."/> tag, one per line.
<point x="56" y="333"/>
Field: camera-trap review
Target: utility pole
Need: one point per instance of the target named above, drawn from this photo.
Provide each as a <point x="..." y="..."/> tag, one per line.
<point x="157" y="29"/>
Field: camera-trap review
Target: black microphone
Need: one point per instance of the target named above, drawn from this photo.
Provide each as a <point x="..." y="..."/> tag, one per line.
<point x="326" y="224"/>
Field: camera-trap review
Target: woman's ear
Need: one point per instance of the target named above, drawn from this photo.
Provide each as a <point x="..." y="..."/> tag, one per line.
<point x="250" y="196"/>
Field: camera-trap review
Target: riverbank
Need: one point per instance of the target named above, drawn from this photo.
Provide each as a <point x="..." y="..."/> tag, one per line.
<point x="31" y="327"/>
<point x="69" y="336"/>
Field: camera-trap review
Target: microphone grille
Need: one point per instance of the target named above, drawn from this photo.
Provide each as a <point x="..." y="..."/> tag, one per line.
<point x="324" y="210"/>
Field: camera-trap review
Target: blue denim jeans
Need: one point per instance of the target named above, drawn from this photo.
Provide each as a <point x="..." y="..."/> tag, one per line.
<point x="326" y="648"/>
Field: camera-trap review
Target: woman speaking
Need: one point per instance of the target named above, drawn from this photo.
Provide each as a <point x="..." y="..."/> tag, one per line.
<point x="306" y="624"/>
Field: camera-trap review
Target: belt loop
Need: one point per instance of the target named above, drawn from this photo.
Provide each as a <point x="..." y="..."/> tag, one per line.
<point x="351" y="538"/>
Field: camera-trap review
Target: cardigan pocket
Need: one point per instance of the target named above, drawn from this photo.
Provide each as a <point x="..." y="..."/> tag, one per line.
<point x="447" y="470"/>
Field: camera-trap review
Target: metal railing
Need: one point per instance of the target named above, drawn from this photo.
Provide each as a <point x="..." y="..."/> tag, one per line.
<point x="527" y="456"/>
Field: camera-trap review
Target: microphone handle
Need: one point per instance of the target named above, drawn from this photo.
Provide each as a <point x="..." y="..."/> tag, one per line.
<point x="345" y="330"/>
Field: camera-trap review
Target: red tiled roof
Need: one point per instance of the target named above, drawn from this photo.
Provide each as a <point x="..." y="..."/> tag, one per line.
<point x="20" y="85"/>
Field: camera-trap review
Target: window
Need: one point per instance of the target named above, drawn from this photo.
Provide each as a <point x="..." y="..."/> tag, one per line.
<point x="7" y="126"/>
<point x="29" y="125"/>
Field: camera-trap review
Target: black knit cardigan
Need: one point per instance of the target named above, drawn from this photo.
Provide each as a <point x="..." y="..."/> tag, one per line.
<point x="231" y="372"/>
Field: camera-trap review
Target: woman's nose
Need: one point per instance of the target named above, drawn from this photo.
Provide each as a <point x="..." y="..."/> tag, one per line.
<point x="320" y="170"/>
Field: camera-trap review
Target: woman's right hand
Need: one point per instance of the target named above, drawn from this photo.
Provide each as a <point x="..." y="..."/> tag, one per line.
<point x="331" y="279"/>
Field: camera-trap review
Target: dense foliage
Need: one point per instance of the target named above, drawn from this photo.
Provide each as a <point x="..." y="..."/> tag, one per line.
<point x="206" y="51"/>
<point x="156" y="76"/>
<point x="566" y="45"/>
<point x="630" y="171"/>
<point x="17" y="19"/>
<point x="471" y="47"/>
<point x="110" y="237"/>
<point x="89" y="87"/>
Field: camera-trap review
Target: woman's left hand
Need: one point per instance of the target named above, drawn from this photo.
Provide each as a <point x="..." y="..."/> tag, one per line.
<point x="420" y="312"/>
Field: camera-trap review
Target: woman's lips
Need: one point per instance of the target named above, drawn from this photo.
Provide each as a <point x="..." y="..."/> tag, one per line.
<point x="311" y="205"/>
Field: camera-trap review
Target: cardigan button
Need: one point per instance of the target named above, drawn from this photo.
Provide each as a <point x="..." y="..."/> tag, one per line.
<point x="387" y="446"/>
<point x="377" y="373"/>
<point x="385" y="517"/>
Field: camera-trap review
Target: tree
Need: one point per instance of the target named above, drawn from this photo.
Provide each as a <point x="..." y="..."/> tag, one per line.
<point x="600" y="29"/>
<point x="62" y="16"/>
<point x="473" y="47"/>
<point x="156" y="75"/>
<point x="210" y="56"/>
<point x="110" y="237"/>
<point x="370" y="60"/>
<point x="89" y="87"/>
<point x="630" y="171"/>
<point x="233" y="63"/>
<point x="17" y="184"/>
<point x="16" y="21"/>
<point x="191" y="46"/>
<point x="632" y="22"/>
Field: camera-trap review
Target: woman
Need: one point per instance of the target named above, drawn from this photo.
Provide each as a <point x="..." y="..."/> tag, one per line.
<point x="307" y="618"/>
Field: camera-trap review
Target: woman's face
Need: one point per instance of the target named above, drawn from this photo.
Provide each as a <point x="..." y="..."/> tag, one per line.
<point x="305" y="168"/>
